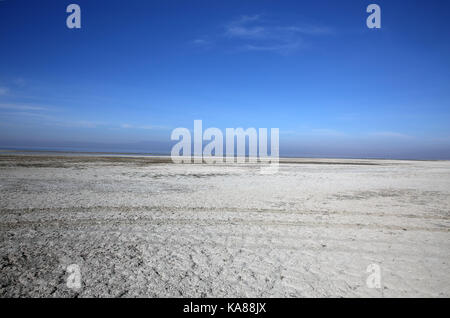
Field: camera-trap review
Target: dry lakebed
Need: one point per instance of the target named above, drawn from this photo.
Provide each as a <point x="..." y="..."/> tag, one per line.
<point x="141" y="226"/>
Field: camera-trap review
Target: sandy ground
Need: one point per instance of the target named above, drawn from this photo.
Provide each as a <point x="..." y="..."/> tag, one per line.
<point x="145" y="227"/>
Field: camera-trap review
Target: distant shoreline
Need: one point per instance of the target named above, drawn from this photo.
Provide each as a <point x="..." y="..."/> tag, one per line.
<point x="283" y="159"/>
<point x="75" y="152"/>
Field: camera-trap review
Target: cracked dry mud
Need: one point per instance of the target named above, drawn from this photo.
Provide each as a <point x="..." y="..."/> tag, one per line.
<point x="144" y="227"/>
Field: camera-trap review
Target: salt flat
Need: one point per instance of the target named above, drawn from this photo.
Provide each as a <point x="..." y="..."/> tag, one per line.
<point x="142" y="226"/>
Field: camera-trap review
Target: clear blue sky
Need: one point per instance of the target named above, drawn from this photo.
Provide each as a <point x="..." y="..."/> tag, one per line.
<point x="138" y="69"/>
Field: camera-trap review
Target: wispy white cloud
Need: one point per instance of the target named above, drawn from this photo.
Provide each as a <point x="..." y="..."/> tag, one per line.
<point x="29" y="111"/>
<point x="308" y="30"/>
<point x="245" y="27"/>
<point x="48" y="120"/>
<point x="283" y="48"/>
<point x="255" y="27"/>
<point x="317" y="132"/>
<point x="21" y="114"/>
<point x="258" y="34"/>
<point x="389" y="134"/>
<point x="144" y="127"/>
<point x="42" y="115"/>
<point x="200" y="42"/>
<point x="12" y="106"/>
<point x="82" y="124"/>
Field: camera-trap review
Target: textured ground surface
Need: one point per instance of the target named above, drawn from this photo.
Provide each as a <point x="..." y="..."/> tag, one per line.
<point x="145" y="227"/>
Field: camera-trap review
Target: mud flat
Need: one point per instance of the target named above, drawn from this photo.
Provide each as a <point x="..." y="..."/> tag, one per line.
<point x="142" y="226"/>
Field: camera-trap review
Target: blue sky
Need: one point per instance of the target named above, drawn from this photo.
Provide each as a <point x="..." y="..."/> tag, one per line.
<point x="138" y="69"/>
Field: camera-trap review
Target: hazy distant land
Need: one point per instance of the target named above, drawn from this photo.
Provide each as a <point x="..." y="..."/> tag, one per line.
<point x="142" y="226"/>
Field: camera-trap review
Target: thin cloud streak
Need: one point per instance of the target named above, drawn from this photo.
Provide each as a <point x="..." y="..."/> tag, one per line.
<point x="241" y="28"/>
<point x="264" y="36"/>
<point x="21" y="107"/>
<point x="255" y="33"/>
<point x="144" y="127"/>
<point x="389" y="134"/>
<point x="280" y="48"/>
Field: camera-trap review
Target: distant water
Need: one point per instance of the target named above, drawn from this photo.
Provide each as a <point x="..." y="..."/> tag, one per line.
<point x="77" y="150"/>
<point x="115" y="151"/>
